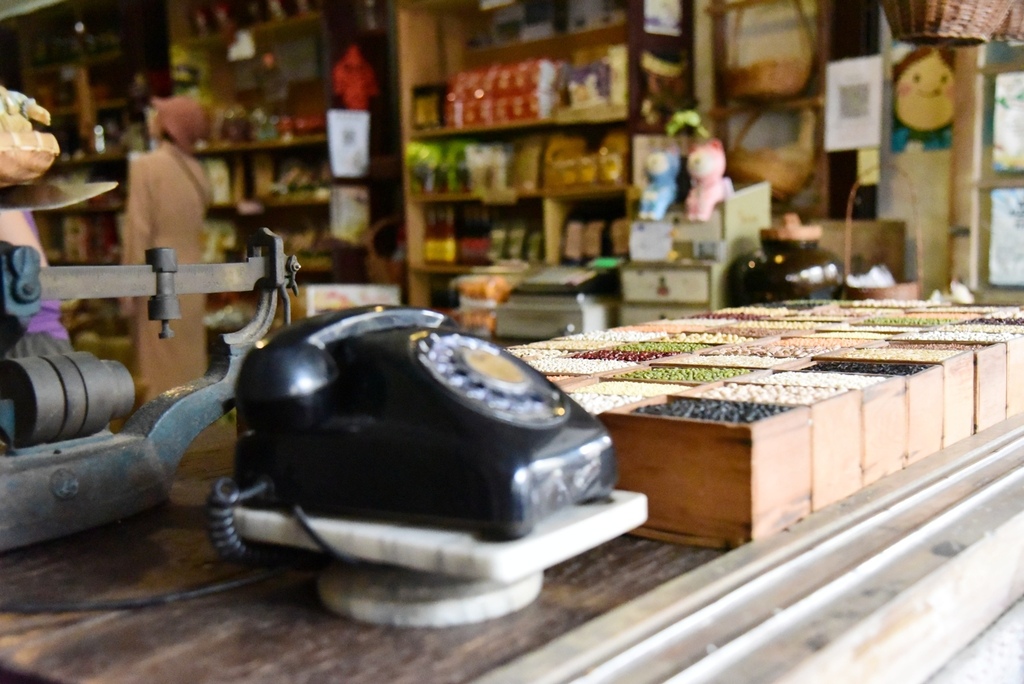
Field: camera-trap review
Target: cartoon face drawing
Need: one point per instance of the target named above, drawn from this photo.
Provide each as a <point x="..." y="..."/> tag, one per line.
<point x="924" y="90"/>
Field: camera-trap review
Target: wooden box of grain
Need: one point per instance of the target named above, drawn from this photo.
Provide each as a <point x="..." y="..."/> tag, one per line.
<point x="837" y="434"/>
<point x="990" y="378"/>
<point x="1014" y="376"/>
<point x="922" y="409"/>
<point x="957" y="384"/>
<point x="853" y="445"/>
<point x="715" y="483"/>
<point x="1014" y="360"/>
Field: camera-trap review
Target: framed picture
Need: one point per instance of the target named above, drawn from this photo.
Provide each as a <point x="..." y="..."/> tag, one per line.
<point x="1006" y="248"/>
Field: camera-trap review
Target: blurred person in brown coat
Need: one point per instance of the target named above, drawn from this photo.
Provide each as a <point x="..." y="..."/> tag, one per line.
<point x="168" y="194"/>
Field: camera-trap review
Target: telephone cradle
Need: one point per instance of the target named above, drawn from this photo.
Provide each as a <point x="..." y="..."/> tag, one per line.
<point x="452" y="470"/>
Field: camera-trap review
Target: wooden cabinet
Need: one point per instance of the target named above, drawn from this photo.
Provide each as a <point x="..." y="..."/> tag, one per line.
<point x="437" y="40"/>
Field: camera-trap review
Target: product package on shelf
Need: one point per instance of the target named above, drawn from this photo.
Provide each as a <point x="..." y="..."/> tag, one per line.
<point x="522" y="91"/>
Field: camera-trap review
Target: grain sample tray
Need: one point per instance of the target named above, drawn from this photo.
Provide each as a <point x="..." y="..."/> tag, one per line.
<point x="1011" y="335"/>
<point x="718" y="473"/>
<point x="990" y="378"/>
<point x="715" y="472"/>
<point x="853" y="445"/>
<point x="837" y="429"/>
<point x="957" y="386"/>
<point x="923" y="401"/>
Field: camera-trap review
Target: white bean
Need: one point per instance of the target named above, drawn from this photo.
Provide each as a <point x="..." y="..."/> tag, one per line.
<point x="599" y="403"/>
<point x="841" y="380"/>
<point x="566" y="366"/>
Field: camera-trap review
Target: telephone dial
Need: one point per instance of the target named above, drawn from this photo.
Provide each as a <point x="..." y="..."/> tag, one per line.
<point x="394" y="413"/>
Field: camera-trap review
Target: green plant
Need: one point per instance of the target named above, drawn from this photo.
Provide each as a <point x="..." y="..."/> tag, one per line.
<point x="688" y="119"/>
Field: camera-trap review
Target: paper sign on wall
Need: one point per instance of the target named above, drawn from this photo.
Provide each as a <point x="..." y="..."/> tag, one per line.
<point x="348" y="138"/>
<point x="853" y="104"/>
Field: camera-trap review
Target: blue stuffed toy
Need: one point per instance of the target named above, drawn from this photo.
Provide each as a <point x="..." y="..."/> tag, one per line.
<point x="661" y="167"/>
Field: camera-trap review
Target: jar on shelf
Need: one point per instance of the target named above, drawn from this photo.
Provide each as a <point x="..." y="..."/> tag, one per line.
<point x="789" y="265"/>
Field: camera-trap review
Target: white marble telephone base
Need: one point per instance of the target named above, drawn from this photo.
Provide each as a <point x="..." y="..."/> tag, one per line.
<point x="433" y="577"/>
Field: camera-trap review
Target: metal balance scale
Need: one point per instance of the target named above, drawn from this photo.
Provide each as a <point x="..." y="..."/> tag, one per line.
<point x="64" y="471"/>
<point x="395" y="563"/>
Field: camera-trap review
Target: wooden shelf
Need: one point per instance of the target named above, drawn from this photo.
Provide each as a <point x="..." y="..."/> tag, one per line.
<point x="595" y="192"/>
<point x="441" y="269"/>
<point x="112" y="103"/>
<point x="86" y="61"/>
<point x="813" y="102"/>
<point x="989" y="183"/>
<point x="583" y="117"/>
<point x="268" y="145"/>
<point x="305" y="200"/>
<point x="297" y="23"/>
<point x="559" y="46"/>
<point x="92" y="159"/>
<point x="440" y="5"/>
<point x="505" y="198"/>
<point x="273" y="202"/>
<point x="72" y="110"/>
<point x="87" y="209"/>
<point x="1000" y="68"/>
<point x="592" y="192"/>
<point x="433" y="39"/>
<point x="724" y="6"/>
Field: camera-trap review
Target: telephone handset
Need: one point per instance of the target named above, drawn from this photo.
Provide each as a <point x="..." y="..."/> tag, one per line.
<point x="394" y="412"/>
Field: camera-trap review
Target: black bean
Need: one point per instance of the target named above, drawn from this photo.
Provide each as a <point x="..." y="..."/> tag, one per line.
<point x="737" y="316"/>
<point x="859" y="368"/>
<point x="994" y="321"/>
<point x="615" y="355"/>
<point x="714" y="410"/>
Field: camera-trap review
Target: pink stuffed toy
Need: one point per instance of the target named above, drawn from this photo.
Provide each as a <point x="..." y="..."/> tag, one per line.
<point x="708" y="185"/>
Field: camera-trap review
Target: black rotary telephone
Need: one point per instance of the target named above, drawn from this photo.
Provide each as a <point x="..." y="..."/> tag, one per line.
<point x="394" y="413"/>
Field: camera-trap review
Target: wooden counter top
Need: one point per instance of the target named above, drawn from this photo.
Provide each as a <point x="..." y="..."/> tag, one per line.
<point x="275" y="631"/>
<point x="885" y="586"/>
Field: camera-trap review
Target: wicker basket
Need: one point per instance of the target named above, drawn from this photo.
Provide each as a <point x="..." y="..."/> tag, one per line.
<point x="787" y="168"/>
<point x="25" y="156"/>
<point x="950" y="22"/>
<point x="771" y="79"/>
<point x="1012" y="27"/>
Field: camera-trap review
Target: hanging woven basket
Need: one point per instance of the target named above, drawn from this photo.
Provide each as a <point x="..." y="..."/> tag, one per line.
<point x="1012" y="27"/>
<point x="774" y="78"/>
<point x="786" y="168"/>
<point x="949" y="22"/>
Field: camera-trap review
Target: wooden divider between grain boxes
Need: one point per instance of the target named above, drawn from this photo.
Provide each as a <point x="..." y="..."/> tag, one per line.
<point x="1014" y="376"/>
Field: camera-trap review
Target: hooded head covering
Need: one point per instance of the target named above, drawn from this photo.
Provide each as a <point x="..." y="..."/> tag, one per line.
<point x="183" y="120"/>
